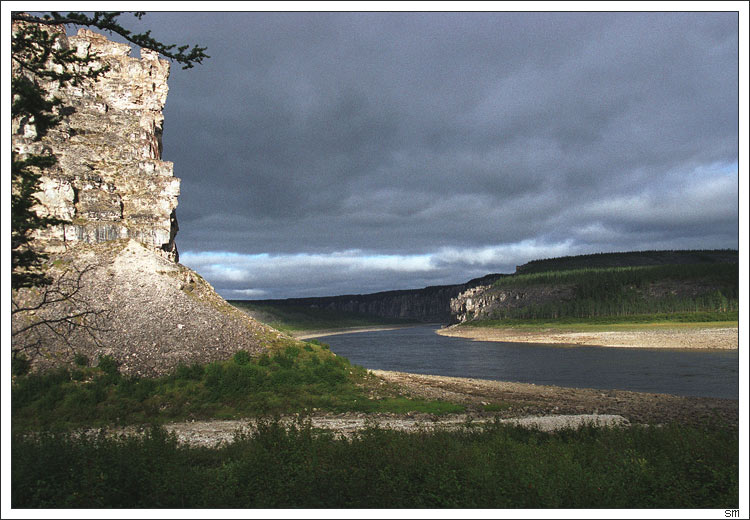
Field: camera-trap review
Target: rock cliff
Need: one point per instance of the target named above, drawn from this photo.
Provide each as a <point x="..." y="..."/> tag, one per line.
<point x="118" y="288"/>
<point x="428" y="305"/>
<point x="484" y="300"/>
<point x="110" y="182"/>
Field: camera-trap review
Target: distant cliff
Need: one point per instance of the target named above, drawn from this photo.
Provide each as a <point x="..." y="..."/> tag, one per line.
<point x="616" y="284"/>
<point x="480" y="298"/>
<point x="428" y="305"/>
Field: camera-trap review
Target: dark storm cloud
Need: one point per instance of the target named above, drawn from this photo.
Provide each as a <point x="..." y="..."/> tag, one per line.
<point x="371" y="151"/>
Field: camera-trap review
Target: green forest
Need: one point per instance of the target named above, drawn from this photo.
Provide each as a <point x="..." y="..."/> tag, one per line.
<point x="630" y="291"/>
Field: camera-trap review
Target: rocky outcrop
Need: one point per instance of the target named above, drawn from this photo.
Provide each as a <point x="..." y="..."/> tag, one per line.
<point x="117" y="288"/>
<point x="483" y="301"/>
<point x="428" y="305"/>
<point x="110" y="182"/>
<point x="491" y="301"/>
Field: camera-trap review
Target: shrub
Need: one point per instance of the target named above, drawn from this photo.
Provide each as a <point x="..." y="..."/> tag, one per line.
<point x="109" y="365"/>
<point x="213" y="375"/>
<point x="19" y="365"/>
<point x="285" y="377"/>
<point x="497" y="466"/>
<point x="291" y="351"/>
<point x="330" y="372"/>
<point x="241" y="357"/>
<point x="81" y="360"/>
<point x="319" y="343"/>
<point x="283" y="360"/>
<point x="193" y="372"/>
<point x="240" y="379"/>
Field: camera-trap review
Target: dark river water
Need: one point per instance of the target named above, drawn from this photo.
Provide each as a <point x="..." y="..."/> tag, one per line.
<point x="420" y="350"/>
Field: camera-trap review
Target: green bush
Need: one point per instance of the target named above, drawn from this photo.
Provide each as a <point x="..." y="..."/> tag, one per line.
<point x="282" y="360"/>
<point x="292" y="351"/>
<point x="496" y="466"/>
<point x="213" y="375"/>
<point x="19" y="365"/>
<point x="292" y="380"/>
<point x="109" y="365"/>
<point x="81" y="360"/>
<point x="241" y="357"/>
<point x="330" y="372"/>
<point x="193" y="372"/>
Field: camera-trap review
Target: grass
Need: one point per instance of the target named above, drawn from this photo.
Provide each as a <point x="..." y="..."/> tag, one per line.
<point x="298" y="318"/>
<point x="478" y="466"/>
<point x="295" y="377"/>
<point x="497" y="466"/>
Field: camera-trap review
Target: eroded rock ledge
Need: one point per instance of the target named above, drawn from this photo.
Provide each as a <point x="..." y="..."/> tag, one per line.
<point x="110" y="182"/>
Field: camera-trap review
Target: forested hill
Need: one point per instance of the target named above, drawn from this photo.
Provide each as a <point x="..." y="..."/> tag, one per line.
<point x="477" y="298"/>
<point x="630" y="259"/>
<point x="696" y="285"/>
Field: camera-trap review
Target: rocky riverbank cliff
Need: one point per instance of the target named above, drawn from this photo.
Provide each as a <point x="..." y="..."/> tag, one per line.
<point x="118" y="288"/>
<point x="481" y="298"/>
<point x="488" y="301"/>
<point x="110" y="181"/>
<point x="427" y="305"/>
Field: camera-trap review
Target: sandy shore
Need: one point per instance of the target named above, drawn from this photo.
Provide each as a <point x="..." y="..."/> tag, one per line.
<point x="674" y="338"/>
<point x="309" y="334"/>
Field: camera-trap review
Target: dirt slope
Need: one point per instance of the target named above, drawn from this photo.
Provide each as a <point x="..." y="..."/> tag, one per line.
<point x="147" y="312"/>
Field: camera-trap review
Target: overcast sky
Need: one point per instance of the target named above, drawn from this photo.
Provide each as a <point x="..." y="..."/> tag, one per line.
<point x="333" y="153"/>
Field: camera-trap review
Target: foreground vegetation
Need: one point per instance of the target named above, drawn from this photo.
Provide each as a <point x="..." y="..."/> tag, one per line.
<point x="55" y="465"/>
<point x="498" y="466"/>
<point x="297" y="318"/>
<point x="296" y="377"/>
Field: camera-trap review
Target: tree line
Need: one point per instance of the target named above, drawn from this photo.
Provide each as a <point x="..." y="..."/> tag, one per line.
<point x="630" y="291"/>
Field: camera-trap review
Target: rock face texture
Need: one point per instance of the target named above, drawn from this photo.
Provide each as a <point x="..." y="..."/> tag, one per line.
<point x="118" y="288"/>
<point x="110" y="181"/>
<point x="482" y="301"/>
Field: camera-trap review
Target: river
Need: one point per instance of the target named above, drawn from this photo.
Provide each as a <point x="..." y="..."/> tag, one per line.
<point x="420" y="350"/>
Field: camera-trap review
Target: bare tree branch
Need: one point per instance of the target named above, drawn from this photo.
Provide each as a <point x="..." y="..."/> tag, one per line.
<point x="55" y="312"/>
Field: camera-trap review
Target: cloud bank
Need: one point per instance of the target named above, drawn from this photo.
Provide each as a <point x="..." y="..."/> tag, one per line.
<point x="329" y="153"/>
